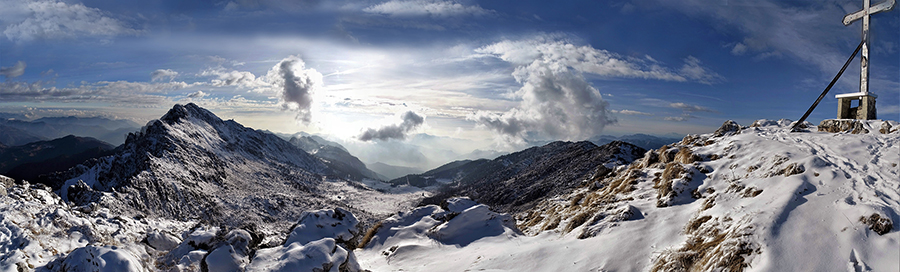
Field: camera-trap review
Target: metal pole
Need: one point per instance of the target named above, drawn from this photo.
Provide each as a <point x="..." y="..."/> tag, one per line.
<point x="864" y="58"/>
<point x="811" y="108"/>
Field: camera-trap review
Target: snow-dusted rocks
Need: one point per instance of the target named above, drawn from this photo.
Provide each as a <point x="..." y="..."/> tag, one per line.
<point x="857" y="126"/>
<point x="409" y="239"/>
<point x="101" y="259"/>
<point x="5" y="182"/>
<point x="162" y="240"/>
<point x="728" y="128"/>
<point x="39" y="231"/>
<point x="319" y="242"/>
<point x="319" y="255"/>
<point x="338" y="224"/>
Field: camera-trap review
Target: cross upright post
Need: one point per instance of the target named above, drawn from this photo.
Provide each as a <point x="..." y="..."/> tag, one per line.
<point x="866" y="108"/>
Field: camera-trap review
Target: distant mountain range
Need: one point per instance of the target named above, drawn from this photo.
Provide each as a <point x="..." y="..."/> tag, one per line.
<point x="335" y="156"/>
<point x="392" y="171"/>
<point x="29" y="161"/>
<point x="19" y="131"/>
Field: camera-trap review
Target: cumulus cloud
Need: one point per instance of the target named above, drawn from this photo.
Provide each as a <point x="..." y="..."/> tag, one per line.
<point x="14" y="71"/>
<point x="556" y="101"/>
<point x="162" y="74"/>
<point x="433" y="8"/>
<point x="296" y="85"/>
<point x="411" y="121"/>
<point x="31" y="20"/>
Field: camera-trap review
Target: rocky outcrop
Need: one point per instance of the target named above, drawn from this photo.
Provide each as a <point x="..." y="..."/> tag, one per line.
<point x="843" y="125"/>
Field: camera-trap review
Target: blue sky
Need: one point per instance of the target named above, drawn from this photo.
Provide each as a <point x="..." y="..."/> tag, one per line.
<point x="495" y="73"/>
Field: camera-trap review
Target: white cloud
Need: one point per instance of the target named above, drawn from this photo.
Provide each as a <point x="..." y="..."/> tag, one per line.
<point x="631" y="112"/>
<point x="53" y="20"/>
<point x="434" y="8"/>
<point x="690" y="108"/>
<point x="123" y="92"/>
<point x="411" y="121"/>
<point x="694" y="71"/>
<point x="296" y="85"/>
<point x="587" y="59"/>
<point x="197" y="94"/>
<point x="14" y="71"/>
<point x="556" y="101"/>
<point x="739" y="49"/>
<point x="676" y="118"/>
<point x="162" y="74"/>
<point x="810" y="33"/>
<point x="225" y="77"/>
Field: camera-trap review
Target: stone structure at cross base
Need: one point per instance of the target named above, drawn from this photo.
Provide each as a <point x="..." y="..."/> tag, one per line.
<point x="866" y="108"/>
<point x="864" y="111"/>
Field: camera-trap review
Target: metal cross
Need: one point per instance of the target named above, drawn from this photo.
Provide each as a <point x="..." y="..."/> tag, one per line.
<point x="864" y="15"/>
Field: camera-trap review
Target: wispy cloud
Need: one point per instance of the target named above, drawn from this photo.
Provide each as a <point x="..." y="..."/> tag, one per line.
<point x="690" y="108"/>
<point x="13" y="71"/>
<point x="587" y="59"/>
<point x="42" y="19"/>
<point x="631" y="112"/>
<point x="224" y="77"/>
<point x="163" y="74"/>
<point x="432" y="8"/>
<point x="123" y="92"/>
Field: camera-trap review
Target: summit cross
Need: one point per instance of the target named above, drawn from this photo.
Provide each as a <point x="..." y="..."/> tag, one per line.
<point x="864" y="15"/>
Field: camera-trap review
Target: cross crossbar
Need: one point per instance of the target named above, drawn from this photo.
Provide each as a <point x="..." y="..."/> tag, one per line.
<point x="883" y="6"/>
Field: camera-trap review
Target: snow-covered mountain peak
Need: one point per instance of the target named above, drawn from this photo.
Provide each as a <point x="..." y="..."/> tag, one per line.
<point x="191" y="110"/>
<point x="190" y="164"/>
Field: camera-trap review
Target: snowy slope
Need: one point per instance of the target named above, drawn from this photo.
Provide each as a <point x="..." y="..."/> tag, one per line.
<point x="758" y="198"/>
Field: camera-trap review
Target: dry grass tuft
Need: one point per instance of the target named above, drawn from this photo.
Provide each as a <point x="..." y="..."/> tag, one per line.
<point x="695" y="224"/>
<point x="751" y="192"/>
<point x="685" y="156"/>
<point x="578" y="220"/>
<point x="664" y="183"/>
<point x="552" y="224"/>
<point x="575" y="199"/>
<point x="707" y="249"/>
<point x="709" y="203"/>
<point x="369" y="234"/>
